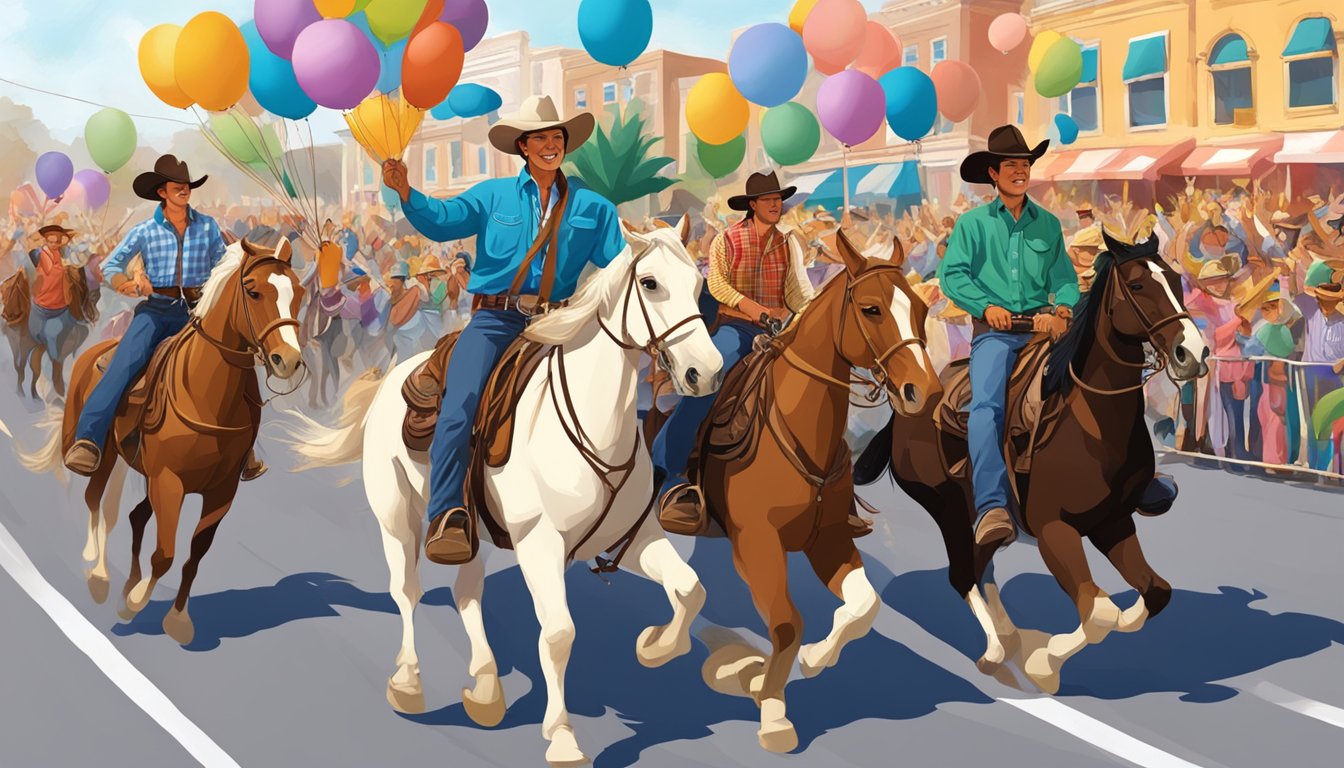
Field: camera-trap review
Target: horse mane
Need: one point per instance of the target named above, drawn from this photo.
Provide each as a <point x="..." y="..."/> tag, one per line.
<point x="1073" y="347"/>
<point x="226" y="268"/>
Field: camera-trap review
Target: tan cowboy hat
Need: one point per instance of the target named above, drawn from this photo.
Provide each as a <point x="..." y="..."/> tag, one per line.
<point x="1250" y="295"/>
<point x="57" y="229"/>
<point x="429" y="265"/>
<point x="1088" y="237"/>
<point x="1213" y="270"/>
<point x="538" y="113"/>
<point x="1006" y="141"/>
<point x="167" y="168"/>
<point x="1083" y="207"/>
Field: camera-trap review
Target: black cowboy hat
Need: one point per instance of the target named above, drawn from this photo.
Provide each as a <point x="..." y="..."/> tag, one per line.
<point x="167" y="168"/>
<point x="1006" y="141"/>
<point x="760" y="185"/>
<point x="58" y="230"/>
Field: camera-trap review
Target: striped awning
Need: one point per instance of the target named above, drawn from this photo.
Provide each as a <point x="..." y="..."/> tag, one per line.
<point x="878" y="183"/>
<point x="1120" y="163"/>
<point x="1242" y="158"/>
<point x="1312" y="147"/>
<point x="808" y="182"/>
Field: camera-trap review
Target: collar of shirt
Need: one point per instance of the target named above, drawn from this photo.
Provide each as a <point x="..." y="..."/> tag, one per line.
<point x="528" y="186"/>
<point x="163" y="220"/>
<point x="1029" y="212"/>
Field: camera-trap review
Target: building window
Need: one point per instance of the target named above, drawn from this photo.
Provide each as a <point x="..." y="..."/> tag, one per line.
<point x="1230" y="67"/>
<point x="911" y="55"/>
<point x="367" y="165"/>
<point x="608" y="93"/>
<point x="431" y="165"/>
<point x="937" y="53"/>
<point x="455" y="155"/>
<point x="1145" y="77"/>
<point x="581" y="98"/>
<point x="1311" y="64"/>
<point x="1083" y="103"/>
<point x="482" y="161"/>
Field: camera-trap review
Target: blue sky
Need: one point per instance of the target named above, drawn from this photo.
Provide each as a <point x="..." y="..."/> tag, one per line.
<point x="87" y="48"/>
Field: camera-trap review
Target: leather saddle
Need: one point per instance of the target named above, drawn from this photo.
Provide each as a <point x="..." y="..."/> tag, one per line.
<point x="140" y="404"/>
<point x="735" y="422"/>
<point x="16" y="295"/>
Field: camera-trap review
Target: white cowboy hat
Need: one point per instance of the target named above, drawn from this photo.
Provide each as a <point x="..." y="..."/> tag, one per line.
<point x="538" y="113"/>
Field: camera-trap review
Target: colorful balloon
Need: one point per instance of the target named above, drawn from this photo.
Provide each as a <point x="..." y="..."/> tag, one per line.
<point x="156" y="55"/>
<point x="272" y="80"/>
<point x="850" y="105"/>
<point x="432" y="65"/>
<point x="790" y="133"/>
<point x="393" y="20"/>
<point x="472" y="100"/>
<point x="339" y="9"/>
<point x="211" y="61"/>
<point x="1040" y="46"/>
<point x="280" y="21"/>
<point x="958" y="89"/>
<point x="389" y="62"/>
<point x="471" y="17"/>
<point x="1007" y="31"/>
<point x="880" y="52"/>
<point x="912" y="102"/>
<point x="720" y="160"/>
<point x="383" y="125"/>
<point x="335" y="64"/>
<point x="1060" y="69"/>
<point x="715" y="112"/>
<point x="23" y="200"/>
<point x="834" y="30"/>
<point x="768" y="64"/>
<point x="1067" y="128"/>
<point x="445" y="110"/>
<point x="798" y="16"/>
<point x="95" y="186"/>
<point x="246" y="140"/>
<point x="110" y="138"/>
<point x="54" y="172"/>
<point x="615" y="32"/>
<point x="828" y="68"/>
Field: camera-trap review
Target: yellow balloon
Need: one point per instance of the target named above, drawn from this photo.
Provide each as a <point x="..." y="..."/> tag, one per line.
<point x="383" y="125"/>
<point x="1040" y="46"/>
<point x="157" y="49"/>
<point x="339" y="9"/>
<point x="798" y="15"/>
<point x="715" y="112"/>
<point x="212" y="62"/>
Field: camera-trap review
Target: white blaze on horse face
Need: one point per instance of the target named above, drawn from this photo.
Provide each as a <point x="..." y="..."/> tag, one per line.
<point x="284" y="303"/>
<point x="903" y="312"/>
<point x="1191" y="339"/>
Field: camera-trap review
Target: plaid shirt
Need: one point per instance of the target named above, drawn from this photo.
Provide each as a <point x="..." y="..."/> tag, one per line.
<point x="754" y="271"/>
<point x="156" y="240"/>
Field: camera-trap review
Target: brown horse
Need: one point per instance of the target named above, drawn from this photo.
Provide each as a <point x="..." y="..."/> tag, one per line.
<point x="794" y="490"/>
<point x="1087" y="472"/>
<point x="16" y="300"/>
<point x="201" y="418"/>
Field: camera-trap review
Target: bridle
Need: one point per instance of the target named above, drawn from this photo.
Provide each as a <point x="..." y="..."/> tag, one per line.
<point x="656" y="347"/>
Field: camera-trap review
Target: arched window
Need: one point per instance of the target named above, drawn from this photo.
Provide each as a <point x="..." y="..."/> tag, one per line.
<point x="1230" y="66"/>
<point x="1311" y="62"/>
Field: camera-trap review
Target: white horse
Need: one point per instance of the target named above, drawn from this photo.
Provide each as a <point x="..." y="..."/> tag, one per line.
<point x="548" y="497"/>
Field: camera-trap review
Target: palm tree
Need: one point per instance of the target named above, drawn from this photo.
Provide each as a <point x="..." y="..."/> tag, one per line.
<point x="616" y="162"/>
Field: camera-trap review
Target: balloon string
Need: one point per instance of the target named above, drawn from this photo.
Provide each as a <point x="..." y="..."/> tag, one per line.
<point x="92" y="103"/>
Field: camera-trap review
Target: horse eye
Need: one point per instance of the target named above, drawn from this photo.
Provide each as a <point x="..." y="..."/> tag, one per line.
<point x="1136" y="286"/>
<point x="253" y="295"/>
<point x="648" y="283"/>
<point x="872" y="311"/>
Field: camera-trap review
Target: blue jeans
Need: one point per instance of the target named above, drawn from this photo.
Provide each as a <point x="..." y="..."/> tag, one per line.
<point x="993" y="355"/>
<point x="483" y="342"/>
<point x="672" y="448"/>
<point x="154" y="321"/>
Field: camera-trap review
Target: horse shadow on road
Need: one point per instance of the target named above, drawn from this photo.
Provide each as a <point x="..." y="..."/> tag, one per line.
<point x="1201" y="638"/>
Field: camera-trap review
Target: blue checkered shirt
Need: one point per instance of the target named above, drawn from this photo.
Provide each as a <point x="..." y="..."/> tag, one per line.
<point x="157" y="242"/>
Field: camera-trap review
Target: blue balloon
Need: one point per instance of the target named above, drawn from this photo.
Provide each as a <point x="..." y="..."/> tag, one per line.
<point x="1067" y="127"/>
<point x="389" y="78"/>
<point x="912" y="102"/>
<point x="391" y="200"/>
<point x="272" y="79"/>
<point x="615" y="32"/>
<point x="768" y="64"/>
<point x="472" y="100"/>
<point x="443" y="112"/>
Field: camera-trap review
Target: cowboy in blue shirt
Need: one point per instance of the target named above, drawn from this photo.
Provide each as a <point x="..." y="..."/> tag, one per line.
<point x="509" y="218"/>
<point x="179" y="247"/>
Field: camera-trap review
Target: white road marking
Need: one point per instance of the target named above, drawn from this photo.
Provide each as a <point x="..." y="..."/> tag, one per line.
<point x="1098" y="734"/>
<point x="1317" y="710"/>
<point x="92" y="643"/>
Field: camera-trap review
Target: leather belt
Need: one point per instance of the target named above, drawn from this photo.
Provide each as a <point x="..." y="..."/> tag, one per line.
<point x="526" y="304"/>
<point x="191" y="295"/>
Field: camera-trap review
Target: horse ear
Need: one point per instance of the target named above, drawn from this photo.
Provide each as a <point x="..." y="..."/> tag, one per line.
<point x="631" y="234"/>
<point x="852" y="259"/>
<point x="249" y="249"/>
<point x="684" y="228"/>
<point x="284" y="251"/>
<point x="897" y="251"/>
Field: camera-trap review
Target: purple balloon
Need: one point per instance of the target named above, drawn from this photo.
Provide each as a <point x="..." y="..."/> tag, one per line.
<point x="851" y="106"/>
<point x="96" y="188"/>
<point x="335" y="64"/>
<point x="470" y="17"/>
<point x="281" y="21"/>
<point x="54" y="172"/>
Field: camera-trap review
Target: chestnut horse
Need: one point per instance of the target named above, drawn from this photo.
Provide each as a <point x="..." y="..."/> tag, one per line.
<point x="16" y="301"/>
<point x="211" y="409"/>
<point x="795" y="491"/>
<point x="1086" y="474"/>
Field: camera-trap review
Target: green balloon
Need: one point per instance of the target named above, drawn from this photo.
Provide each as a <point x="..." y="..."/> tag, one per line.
<point x="393" y="20"/>
<point x="110" y="137"/>
<point x="790" y="133"/>
<point x="1060" y="70"/>
<point x="719" y="160"/>
<point x="244" y="139"/>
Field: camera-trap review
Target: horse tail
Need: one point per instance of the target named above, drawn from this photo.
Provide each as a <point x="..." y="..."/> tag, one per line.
<point x="322" y="446"/>
<point x="49" y="456"/>
<point x="874" y="459"/>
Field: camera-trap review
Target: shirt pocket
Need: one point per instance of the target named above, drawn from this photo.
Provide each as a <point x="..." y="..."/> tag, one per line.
<point x="1038" y="253"/>
<point x="503" y="234"/>
<point x="580" y="234"/>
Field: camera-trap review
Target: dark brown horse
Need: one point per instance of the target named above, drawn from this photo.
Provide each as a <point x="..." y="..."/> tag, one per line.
<point x="16" y="300"/>
<point x="793" y="491"/>
<point x="1086" y="474"/>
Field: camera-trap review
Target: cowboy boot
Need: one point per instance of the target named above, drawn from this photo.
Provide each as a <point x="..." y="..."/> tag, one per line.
<point x="83" y="458"/>
<point x="995" y="529"/>
<point x="1158" y="497"/>
<point x="452" y="538"/>
<point x="253" y="467"/>
<point x="682" y="510"/>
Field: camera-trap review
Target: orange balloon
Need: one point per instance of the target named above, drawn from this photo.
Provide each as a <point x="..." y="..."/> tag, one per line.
<point x="828" y="69"/>
<point x="433" y="9"/>
<point x="431" y="65"/>
<point x="157" y="49"/>
<point x="211" y="61"/>
<point x="881" y="51"/>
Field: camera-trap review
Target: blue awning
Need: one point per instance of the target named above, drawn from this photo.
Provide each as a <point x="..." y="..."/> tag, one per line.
<point x="1146" y="57"/>
<point x="893" y="183"/>
<point x="1089" y="66"/>
<point x="1311" y="36"/>
<point x="831" y="192"/>
<point x="1231" y="49"/>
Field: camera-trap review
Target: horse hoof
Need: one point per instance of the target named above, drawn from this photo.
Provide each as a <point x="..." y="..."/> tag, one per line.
<point x="652" y="651"/>
<point x="485" y="710"/>
<point x="810" y="660"/>
<point x="778" y="736"/>
<point x="98" y="588"/>
<point x="1043" y="670"/>
<point x="405" y="701"/>
<point x="988" y="667"/>
<point x="731" y="669"/>
<point x="177" y="624"/>
<point x="564" y="749"/>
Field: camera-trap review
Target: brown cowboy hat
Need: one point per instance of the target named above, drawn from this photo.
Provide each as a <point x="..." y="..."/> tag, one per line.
<point x="760" y="185"/>
<point x="167" y="168"/>
<point x="57" y="229"/>
<point x="1006" y="141"/>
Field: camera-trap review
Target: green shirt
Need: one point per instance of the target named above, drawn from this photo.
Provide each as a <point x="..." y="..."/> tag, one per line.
<point x="992" y="259"/>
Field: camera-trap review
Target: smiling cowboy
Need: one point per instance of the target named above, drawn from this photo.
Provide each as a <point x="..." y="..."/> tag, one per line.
<point x="535" y="233"/>
<point x="179" y="247"/>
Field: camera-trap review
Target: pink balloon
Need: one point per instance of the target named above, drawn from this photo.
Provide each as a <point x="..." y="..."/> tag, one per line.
<point x="94" y="186"/>
<point x="335" y="64"/>
<point x="880" y="53"/>
<point x="1007" y="32"/>
<point x="851" y="106"/>
<point x="833" y="32"/>
<point x="827" y="68"/>
<point x="958" y="89"/>
<point x="23" y="201"/>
